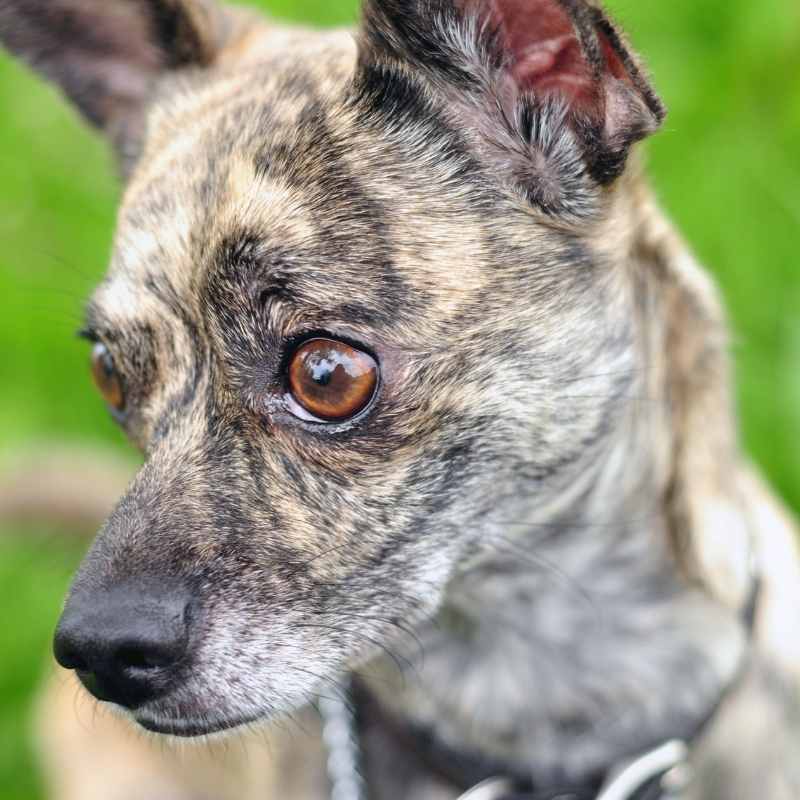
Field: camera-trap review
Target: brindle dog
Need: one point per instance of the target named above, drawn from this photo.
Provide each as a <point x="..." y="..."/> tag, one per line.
<point x="428" y="388"/>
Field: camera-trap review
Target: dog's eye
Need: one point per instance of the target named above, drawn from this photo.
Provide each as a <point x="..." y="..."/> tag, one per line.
<point x="107" y="378"/>
<point x="331" y="380"/>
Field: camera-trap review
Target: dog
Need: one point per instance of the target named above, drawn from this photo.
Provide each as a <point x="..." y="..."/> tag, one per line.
<point x="435" y="407"/>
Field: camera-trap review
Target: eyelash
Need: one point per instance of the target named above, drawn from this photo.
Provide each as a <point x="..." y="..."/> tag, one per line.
<point x="88" y="334"/>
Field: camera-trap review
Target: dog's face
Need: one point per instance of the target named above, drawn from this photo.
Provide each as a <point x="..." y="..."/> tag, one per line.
<point x="353" y="290"/>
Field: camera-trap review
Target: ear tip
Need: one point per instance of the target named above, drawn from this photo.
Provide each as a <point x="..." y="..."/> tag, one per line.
<point x="661" y="114"/>
<point x="655" y="105"/>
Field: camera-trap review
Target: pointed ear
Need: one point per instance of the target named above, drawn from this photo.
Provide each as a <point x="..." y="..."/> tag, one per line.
<point x="107" y="54"/>
<point x="548" y="88"/>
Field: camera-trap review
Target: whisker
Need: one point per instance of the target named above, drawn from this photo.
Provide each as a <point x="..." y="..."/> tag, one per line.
<point x="400" y="662"/>
<point x="303" y="565"/>
<point x="392" y="623"/>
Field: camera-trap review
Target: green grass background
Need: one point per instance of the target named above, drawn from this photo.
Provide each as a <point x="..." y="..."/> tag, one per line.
<point x="727" y="167"/>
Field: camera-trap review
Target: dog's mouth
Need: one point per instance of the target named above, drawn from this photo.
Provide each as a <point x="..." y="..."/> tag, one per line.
<point x="192" y="729"/>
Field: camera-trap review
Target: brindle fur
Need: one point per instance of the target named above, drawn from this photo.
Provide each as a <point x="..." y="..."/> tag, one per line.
<point x="537" y="541"/>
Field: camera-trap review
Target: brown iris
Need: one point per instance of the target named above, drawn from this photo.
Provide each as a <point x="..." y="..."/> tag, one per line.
<point x="331" y="380"/>
<point x="107" y="378"/>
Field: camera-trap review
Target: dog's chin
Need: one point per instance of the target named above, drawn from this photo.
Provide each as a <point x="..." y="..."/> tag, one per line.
<point x="180" y="728"/>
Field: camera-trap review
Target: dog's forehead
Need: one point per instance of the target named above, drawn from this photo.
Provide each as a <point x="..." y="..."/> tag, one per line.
<point x="269" y="174"/>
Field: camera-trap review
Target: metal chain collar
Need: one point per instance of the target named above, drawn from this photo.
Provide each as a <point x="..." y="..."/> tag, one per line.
<point x="665" y="767"/>
<point x="340" y="734"/>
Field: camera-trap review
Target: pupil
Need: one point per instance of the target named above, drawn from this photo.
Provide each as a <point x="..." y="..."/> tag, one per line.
<point x="322" y="377"/>
<point x="108" y="367"/>
<point x="322" y="372"/>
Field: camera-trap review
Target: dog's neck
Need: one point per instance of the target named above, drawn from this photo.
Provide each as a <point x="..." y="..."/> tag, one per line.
<point x="558" y="646"/>
<point x="560" y="652"/>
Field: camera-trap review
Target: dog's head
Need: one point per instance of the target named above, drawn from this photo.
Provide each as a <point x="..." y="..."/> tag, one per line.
<point x="354" y="286"/>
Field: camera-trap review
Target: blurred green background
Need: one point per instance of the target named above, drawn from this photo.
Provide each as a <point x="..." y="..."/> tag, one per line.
<point x="727" y="167"/>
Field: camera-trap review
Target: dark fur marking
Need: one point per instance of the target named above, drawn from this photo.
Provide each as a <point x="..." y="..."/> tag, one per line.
<point x="393" y="97"/>
<point x="337" y="201"/>
<point x="398" y="32"/>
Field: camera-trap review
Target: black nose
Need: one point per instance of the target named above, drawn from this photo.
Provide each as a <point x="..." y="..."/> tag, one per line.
<point x="126" y="644"/>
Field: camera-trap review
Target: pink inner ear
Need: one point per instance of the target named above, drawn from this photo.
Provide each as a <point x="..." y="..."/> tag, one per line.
<point x="546" y="56"/>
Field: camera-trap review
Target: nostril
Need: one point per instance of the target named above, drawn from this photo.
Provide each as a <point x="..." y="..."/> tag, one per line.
<point x="74" y="661"/>
<point x="93" y="685"/>
<point x="144" y="655"/>
<point x="131" y="656"/>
